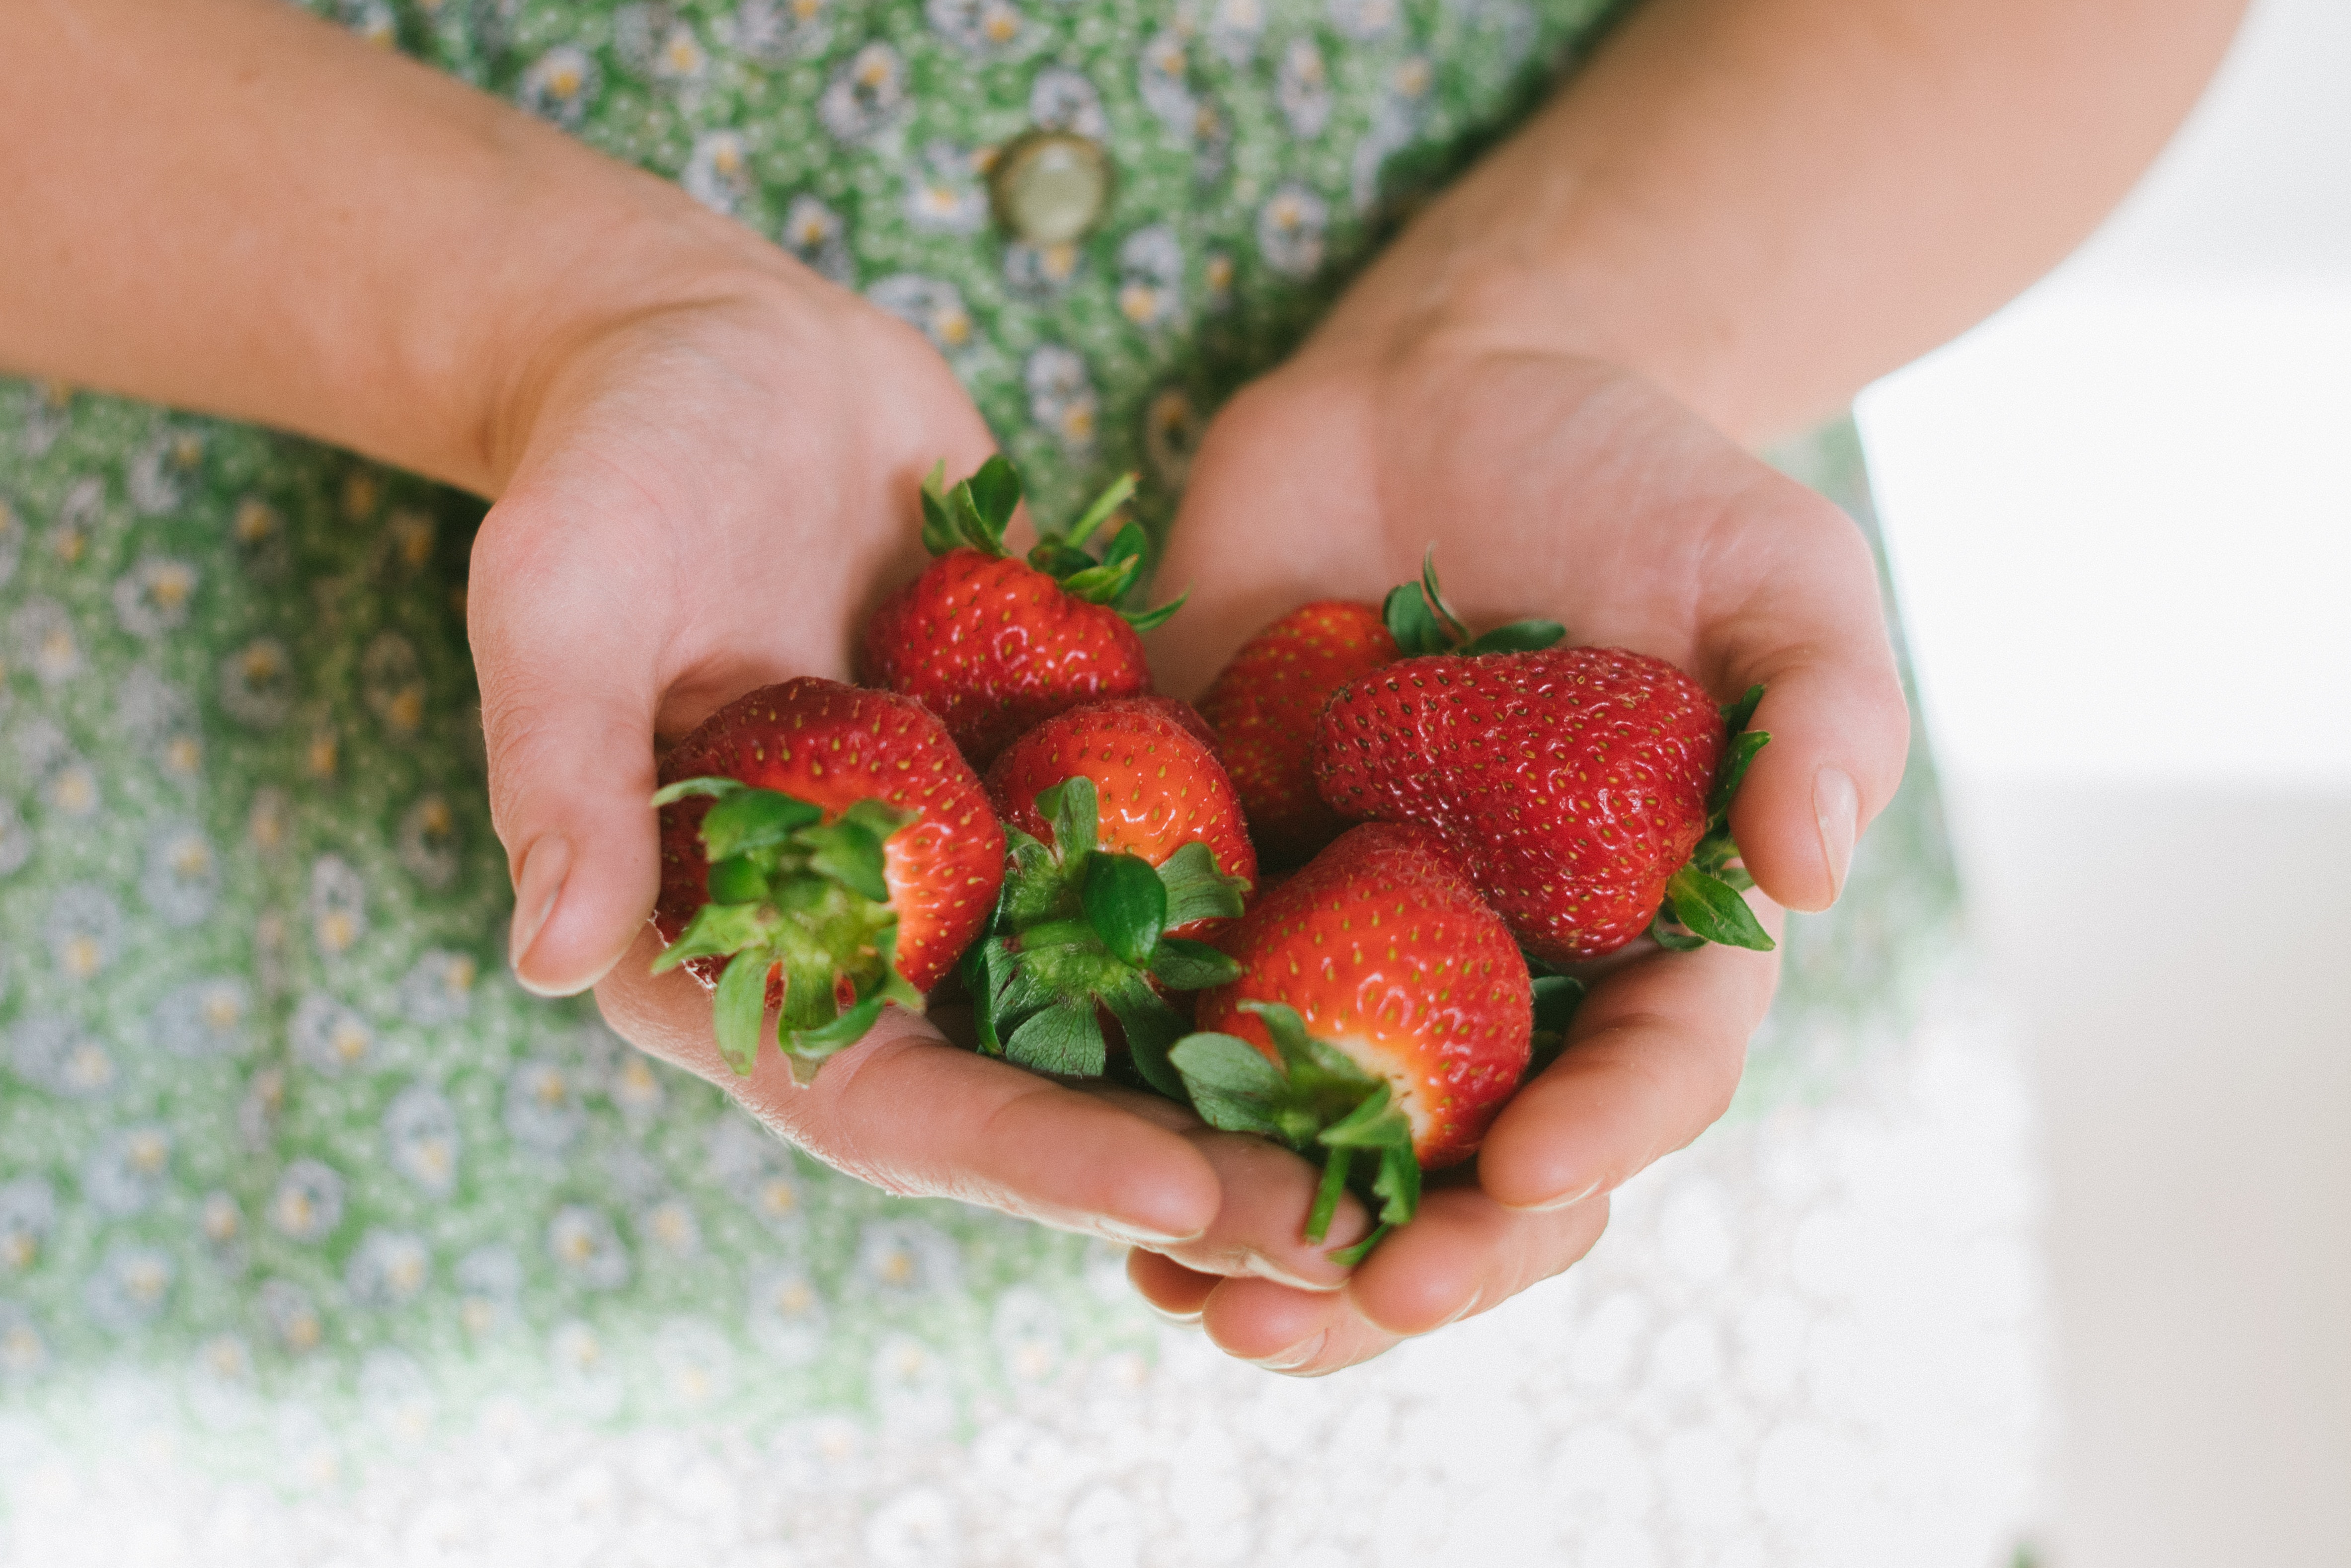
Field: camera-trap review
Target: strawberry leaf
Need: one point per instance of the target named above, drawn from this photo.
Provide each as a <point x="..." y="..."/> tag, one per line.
<point x="1054" y="556"/>
<point x="1197" y="891"/>
<point x="1129" y="544"/>
<point x="1126" y="904"/>
<point x="851" y="854"/>
<point x="1063" y="1038"/>
<point x="1557" y="996"/>
<point x="1412" y="623"/>
<point x="1517" y="637"/>
<point x="1073" y="810"/>
<point x="754" y="819"/>
<point x="1711" y="908"/>
<point x="716" y="931"/>
<point x="1736" y="716"/>
<point x="1737" y="758"/>
<point x="1151" y="1026"/>
<point x="1105" y="582"/>
<point x="1180" y="965"/>
<point x="994" y="493"/>
<point x="738" y="879"/>
<point x="1231" y="1083"/>
<point x="939" y="533"/>
<point x="738" y="1014"/>
<point x="716" y="788"/>
<point x="1326" y="1197"/>
<point x="1152" y="619"/>
<point x="1120" y="491"/>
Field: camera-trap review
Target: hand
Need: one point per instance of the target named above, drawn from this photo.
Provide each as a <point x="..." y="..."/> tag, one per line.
<point x="708" y="496"/>
<point x="1551" y="484"/>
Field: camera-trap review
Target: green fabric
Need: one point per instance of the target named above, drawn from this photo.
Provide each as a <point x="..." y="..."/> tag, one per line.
<point x="273" y="1120"/>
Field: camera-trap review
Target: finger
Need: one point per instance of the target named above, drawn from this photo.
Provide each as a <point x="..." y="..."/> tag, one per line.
<point x="1167" y="1286"/>
<point x="1302" y="1333"/>
<point x="1652" y="1059"/>
<point x="1462" y="1254"/>
<point x="1259" y="1229"/>
<point x="1812" y="632"/>
<point x="567" y="700"/>
<point x="912" y="1115"/>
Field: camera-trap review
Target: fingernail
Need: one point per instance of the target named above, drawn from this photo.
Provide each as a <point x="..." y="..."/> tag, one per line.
<point x="1297" y="1356"/>
<point x="1836" y="808"/>
<point x="538" y="886"/>
<point x="1140" y="1236"/>
<point x="1265" y="1268"/>
<point x="1177" y="1319"/>
<point x="1568" y="1200"/>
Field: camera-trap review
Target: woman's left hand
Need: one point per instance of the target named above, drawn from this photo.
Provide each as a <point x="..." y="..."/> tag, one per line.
<point x="1551" y="485"/>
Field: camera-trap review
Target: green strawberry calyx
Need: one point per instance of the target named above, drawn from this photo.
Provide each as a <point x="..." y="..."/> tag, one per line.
<point x="1078" y="930"/>
<point x="790" y="890"/>
<point x="975" y="514"/>
<point x="1702" y="900"/>
<point x="1317" y="1101"/>
<point x="1422" y="622"/>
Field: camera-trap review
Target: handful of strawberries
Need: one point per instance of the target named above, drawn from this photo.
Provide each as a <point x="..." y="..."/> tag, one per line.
<point x="1455" y="819"/>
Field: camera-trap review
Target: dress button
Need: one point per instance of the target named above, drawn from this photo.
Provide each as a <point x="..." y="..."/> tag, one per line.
<point x="1049" y="186"/>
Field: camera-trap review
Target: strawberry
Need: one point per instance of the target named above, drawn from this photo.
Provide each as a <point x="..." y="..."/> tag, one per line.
<point x="1587" y="790"/>
<point x="825" y="850"/>
<point x="995" y="646"/>
<point x="1381" y="1006"/>
<point x="1264" y="704"/>
<point x="1158" y="786"/>
<point x="1127" y="844"/>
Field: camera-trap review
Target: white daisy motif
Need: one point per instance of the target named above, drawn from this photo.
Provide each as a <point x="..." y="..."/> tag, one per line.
<point x="933" y="306"/>
<point x="160" y="719"/>
<point x="1029" y="1335"/>
<point x="43" y="631"/>
<point x="1364" y="20"/>
<point x="155" y="595"/>
<point x="204" y="1019"/>
<point x="914" y="1392"/>
<point x="125" y="1173"/>
<point x="292" y="1316"/>
<point x="85" y="931"/>
<point x="1061" y="396"/>
<point x="1302" y="90"/>
<point x="1041" y="272"/>
<point x="586" y="1382"/>
<point x="220" y="1219"/>
<point x="559" y="85"/>
<point x="813" y="232"/>
<point x="1171" y="433"/>
<point x="1062" y="99"/>
<point x="338" y="906"/>
<point x="129" y="1288"/>
<point x="865" y="95"/>
<point x="943" y="194"/>
<point x="1234" y="29"/>
<point x="392" y="681"/>
<point x="257" y="531"/>
<point x="585" y="1245"/>
<point x="908" y="1258"/>
<point x="1290" y="229"/>
<point x="1393" y="128"/>
<point x="327" y="1036"/>
<point x="718" y="172"/>
<point x="669" y="1226"/>
<point x="780" y="30"/>
<point x="993" y="30"/>
<point x="183" y="874"/>
<point x="56" y="1055"/>
<point x="388" y="1269"/>
<point x="636" y="1089"/>
<point x="438" y="988"/>
<point x="396" y="1394"/>
<point x="489" y="1286"/>
<point x="787" y="1316"/>
<point x="308" y="1202"/>
<point x="428" y="844"/>
<point x="680" y="58"/>
<point x="1163" y="79"/>
<point x="256" y="684"/>
<point x="1151" y="277"/>
<point x="408" y="541"/>
<point x="422" y="1138"/>
<point x="157" y="475"/>
<point x="543" y="1110"/>
<point x="22" y="1350"/>
<point x="693" y="1361"/>
<point x="29" y="1211"/>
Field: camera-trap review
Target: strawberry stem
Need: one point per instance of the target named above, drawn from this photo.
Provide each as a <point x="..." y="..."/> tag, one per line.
<point x="1702" y="901"/>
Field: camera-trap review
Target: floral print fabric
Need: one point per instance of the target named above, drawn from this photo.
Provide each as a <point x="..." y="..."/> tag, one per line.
<point x="275" y="1126"/>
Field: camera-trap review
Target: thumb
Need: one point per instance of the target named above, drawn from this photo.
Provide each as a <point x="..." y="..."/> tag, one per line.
<point x="569" y="691"/>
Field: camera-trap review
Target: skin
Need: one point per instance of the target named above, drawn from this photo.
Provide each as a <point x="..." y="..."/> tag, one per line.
<point x="1737" y="214"/>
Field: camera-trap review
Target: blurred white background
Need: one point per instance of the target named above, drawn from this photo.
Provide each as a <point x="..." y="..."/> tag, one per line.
<point x="2120" y="519"/>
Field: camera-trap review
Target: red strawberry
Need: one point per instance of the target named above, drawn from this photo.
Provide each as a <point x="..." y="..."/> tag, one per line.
<point x="995" y="646"/>
<point x="855" y="857"/>
<point x="1126" y="843"/>
<point x="1382" y="1006"/>
<point x="1265" y="702"/>
<point x="1158" y="786"/>
<point x="1586" y="789"/>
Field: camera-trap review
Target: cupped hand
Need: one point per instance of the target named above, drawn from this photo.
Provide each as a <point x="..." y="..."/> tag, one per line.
<point x="1551" y="485"/>
<point x="707" y="496"/>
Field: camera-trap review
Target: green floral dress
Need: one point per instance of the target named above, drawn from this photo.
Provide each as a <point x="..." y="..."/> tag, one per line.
<point x="300" y="1193"/>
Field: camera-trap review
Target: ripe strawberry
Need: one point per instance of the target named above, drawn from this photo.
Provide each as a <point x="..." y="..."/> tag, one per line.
<point x="845" y="855"/>
<point x="1158" y="786"/>
<point x="995" y="646"/>
<point x="1126" y="844"/>
<point x="1587" y="789"/>
<point x="1264" y="704"/>
<point x="1381" y="1006"/>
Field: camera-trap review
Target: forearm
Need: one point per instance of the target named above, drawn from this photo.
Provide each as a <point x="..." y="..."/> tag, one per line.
<point x="229" y="206"/>
<point x="1764" y="204"/>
